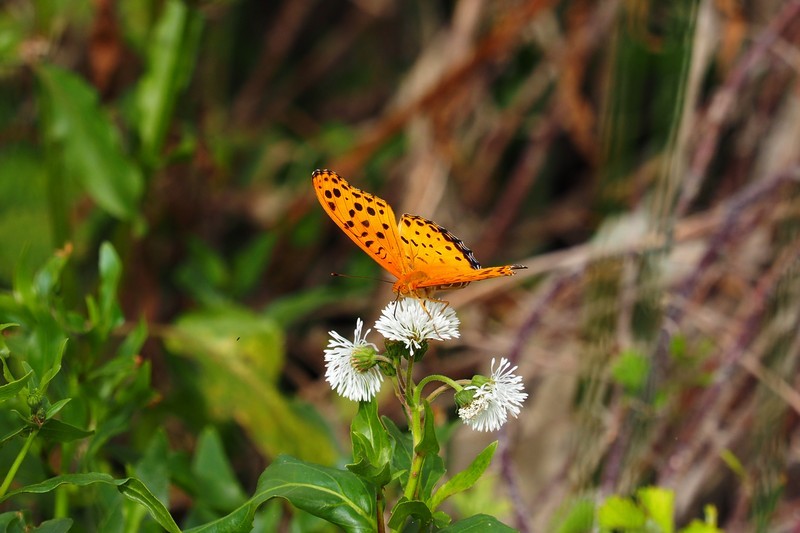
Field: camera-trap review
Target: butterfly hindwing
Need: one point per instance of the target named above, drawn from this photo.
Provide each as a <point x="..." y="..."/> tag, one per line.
<point x="425" y="242"/>
<point x="368" y="220"/>
<point x="444" y="258"/>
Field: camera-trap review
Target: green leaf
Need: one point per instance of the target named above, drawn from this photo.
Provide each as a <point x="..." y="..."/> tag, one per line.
<point x="131" y="488"/>
<point x="478" y="524"/>
<point x="733" y="462"/>
<point x="55" y="367"/>
<point x="338" y="496"/>
<point x="216" y="482"/>
<point x="58" y="431"/>
<point x="709" y="525"/>
<point x="241" y="355"/>
<point x="659" y="504"/>
<point x="578" y="517"/>
<point x="56" y="407"/>
<point x="57" y="525"/>
<point x="403" y="453"/>
<point x="90" y="145"/>
<point x="11" y="521"/>
<point x="21" y="426"/>
<point x="134" y="341"/>
<point x="406" y="509"/>
<point x="170" y="62"/>
<point x="110" y="268"/>
<point x="630" y="370"/>
<point x="428" y="445"/>
<point x="466" y="478"/>
<point x="153" y="468"/>
<point x="48" y="277"/>
<point x="10" y="390"/>
<point x="620" y="513"/>
<point x="372" y="449"/>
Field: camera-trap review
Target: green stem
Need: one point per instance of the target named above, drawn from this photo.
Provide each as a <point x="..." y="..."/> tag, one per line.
<point x="410" y="383"/>
<point x="381" y="506"/>
<point x="17" y="462"/>
<point x="434" y="377"/>
<point x="416" y="463"/>
<point x="416" y="427"/>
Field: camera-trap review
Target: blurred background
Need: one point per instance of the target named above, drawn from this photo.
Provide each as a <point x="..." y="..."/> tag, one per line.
<point x="641" y="158"/>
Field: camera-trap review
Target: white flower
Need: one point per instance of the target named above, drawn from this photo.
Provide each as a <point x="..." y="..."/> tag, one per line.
<point x="344" y="361"/>
<point x="500" y="395"/>
<point x="411" y="322"/>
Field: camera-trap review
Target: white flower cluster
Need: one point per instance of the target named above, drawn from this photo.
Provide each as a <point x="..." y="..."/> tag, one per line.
<point x="412" y="321"/>
<point x="494" y="400"/>
<point x="352" y="371"/>
<point x="342" y="369"/>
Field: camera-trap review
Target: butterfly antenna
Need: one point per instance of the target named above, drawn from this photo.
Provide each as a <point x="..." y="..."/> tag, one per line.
<point x="337" y="275"/>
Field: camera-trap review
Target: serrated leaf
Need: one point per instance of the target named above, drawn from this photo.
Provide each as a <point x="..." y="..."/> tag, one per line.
<point x="131" y="488"/>
<point x="466" y="478"/>
<point x="92" y="154"/>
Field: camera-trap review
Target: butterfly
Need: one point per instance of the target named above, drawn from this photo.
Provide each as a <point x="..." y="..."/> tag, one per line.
<point x="421" y="254"/>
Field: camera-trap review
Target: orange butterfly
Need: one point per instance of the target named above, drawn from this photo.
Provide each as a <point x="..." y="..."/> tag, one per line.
<point x="422" y="255"/>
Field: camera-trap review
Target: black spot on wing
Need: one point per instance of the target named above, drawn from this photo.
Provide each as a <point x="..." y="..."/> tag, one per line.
<point x="446" y="236"/>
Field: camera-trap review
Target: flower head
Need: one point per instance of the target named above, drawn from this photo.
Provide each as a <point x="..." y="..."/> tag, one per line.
<point x="500" y="394"/>
<point x="412" y="322"/>
<point x="351" y="368"/>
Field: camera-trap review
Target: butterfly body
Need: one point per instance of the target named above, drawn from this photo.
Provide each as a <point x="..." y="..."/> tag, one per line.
<point x="422" y="255"/>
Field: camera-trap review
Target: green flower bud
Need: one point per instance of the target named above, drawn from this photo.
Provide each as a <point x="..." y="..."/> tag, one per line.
<point x="34" y="399"/>
<point x="396" y="350"/>
<point x="387" y="369"/>
<point x="363" y="358"/>
<point x="479" y="380"/>
<point x="423" y="347"/>
<point x="464" y="397"/>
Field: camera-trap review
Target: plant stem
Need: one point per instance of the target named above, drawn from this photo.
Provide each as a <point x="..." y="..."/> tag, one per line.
<point x="381" y="506"/>
<point x="434" y="377"/>
<point x="410" y="388"/>
<point x="416" y="463"/>
<point x="17" y="462"/>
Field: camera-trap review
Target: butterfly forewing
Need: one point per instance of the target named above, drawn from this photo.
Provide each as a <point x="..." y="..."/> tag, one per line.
<point x="368" y="220"/>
